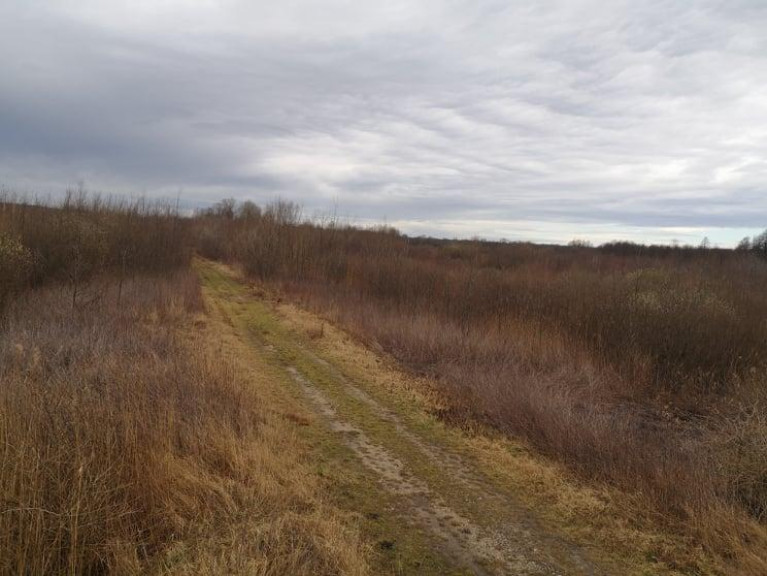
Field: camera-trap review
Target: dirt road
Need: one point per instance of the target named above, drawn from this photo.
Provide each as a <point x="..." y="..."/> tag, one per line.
<point x="420" y="494"/>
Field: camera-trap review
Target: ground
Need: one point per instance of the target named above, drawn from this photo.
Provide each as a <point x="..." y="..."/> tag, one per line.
<point x="430" y="498"/>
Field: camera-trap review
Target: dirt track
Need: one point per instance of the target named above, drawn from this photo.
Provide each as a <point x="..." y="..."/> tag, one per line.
<point x="419" y="484"/>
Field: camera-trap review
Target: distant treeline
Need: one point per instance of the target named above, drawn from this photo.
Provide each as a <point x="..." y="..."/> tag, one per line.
<point x="756" y="244"/>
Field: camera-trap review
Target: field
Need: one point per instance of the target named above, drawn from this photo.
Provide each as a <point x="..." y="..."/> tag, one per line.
<point x="128" y="446"/>
<point x="145" y="431"/>
<point x="640" y="367"/>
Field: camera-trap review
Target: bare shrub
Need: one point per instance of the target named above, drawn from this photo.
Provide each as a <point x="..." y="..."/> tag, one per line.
<point x="16" y="264"/>
<point x="84" y="236"/>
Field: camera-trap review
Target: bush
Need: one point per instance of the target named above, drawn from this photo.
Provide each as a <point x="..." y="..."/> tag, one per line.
<point x="16" y="266"/>
<point x="85" y="236"/>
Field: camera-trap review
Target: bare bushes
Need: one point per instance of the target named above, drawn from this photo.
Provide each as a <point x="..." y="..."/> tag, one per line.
<point x="741" y="447"/>
<point x="16" y="265"/>
<point x="85" y="235"/>
<point x="644" y="367"/>
<point x="699" y="475"/>
<point x="671" y="321"/>
<point x="126" y="445"/>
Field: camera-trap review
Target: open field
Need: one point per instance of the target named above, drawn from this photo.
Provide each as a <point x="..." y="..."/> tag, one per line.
<point x="433" y="496"/>
<point x="133" y="443"/>
<point x="345" y="401"/>
<point x="383" y="288"/>
<point x="637" y="367"/>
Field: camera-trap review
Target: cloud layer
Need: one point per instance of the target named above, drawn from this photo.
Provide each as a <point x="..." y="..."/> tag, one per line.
<point x="543" y="120"/>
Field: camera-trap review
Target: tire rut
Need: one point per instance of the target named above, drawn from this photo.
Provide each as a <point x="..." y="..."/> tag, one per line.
<point x="459" y="538"/>
<point x="521" y="535"/>
<point x="513" y="550"/>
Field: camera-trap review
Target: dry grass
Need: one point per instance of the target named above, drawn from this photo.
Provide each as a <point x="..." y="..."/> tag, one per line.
<point x="702" y="478"/>
<point x="641" y="367"/>
<point x="126" y="448"/>
<point x="589" y="513"/>
<point x="129" y="447"/>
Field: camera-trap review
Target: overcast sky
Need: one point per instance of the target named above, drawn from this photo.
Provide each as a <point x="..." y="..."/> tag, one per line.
<point x="543" y="120"/>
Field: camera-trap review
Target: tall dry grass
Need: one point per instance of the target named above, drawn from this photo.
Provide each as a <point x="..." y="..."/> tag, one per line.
<point x="130" y="448"/>
<point x="644" y="367"/>
<point x="127" y="444"/>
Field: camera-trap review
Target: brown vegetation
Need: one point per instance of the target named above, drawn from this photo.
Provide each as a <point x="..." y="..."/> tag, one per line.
<point x="643" y="367"/>
<point x="83" y="236"/>
<point x="128" y="444"/>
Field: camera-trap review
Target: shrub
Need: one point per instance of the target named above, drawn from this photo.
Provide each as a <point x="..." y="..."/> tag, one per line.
<point x="16" y="265"/>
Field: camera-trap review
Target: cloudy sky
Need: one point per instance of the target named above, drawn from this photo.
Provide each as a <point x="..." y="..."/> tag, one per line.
<point x="543" y="120"/>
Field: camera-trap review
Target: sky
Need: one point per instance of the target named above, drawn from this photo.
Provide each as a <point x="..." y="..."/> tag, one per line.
<point x="541" y="121"/>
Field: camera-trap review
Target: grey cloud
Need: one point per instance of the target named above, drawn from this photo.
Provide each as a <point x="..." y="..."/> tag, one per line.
<point x="636" y="115"/>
